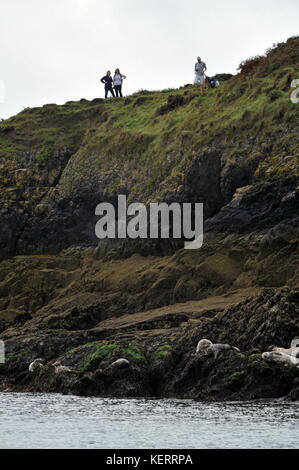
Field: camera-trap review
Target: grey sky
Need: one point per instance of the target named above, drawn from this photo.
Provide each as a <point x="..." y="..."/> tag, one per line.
<point x="53" y="51"/>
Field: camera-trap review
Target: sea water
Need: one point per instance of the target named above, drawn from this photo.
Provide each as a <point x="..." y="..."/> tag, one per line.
<point x="40" y="421"/>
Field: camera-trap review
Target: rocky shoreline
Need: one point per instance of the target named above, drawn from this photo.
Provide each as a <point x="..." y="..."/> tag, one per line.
<point x="68" y="299"/>
<point x="161" y="351"/>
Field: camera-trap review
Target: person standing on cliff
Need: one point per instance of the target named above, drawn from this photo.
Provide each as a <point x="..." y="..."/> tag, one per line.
<point x="118" y="82"/>
<point x="200" y="69"/>
<point x="108" y="81"/>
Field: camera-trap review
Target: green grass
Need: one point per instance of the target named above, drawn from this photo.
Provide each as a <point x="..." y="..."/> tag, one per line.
<point x="134" y="352"/>
<point x="236" y="375"/>
<point x="253" y="357"/>
<point x="162" y="352"/>
<point x="100" y="353"/>
<point x="148" y="153"/>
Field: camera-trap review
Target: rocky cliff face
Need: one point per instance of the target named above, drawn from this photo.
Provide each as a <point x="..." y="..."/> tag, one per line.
<point x="64" y="295"/>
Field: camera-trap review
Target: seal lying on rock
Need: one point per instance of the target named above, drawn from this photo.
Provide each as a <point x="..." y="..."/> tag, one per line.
<point x="203" y="345"/>
<point x="280" y="358"/>
<point x="294" y="352"/>
<point x="37" y="364"/>
<point x="217" y="349"/>
<point x="60" y="369"/>
<point x="206" y="346"/>
<point x="121" y="363"/>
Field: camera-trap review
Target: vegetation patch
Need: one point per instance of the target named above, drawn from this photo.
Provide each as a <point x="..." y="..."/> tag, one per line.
<point x="92" y="360"/>
<point x="254" y="357"/>
<point x="237" y="375"/>
<point x="163" y="351"/>
<point x="134" y="352"/>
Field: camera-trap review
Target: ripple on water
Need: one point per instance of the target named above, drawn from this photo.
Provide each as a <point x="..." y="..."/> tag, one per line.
<point x="56" y="421"/>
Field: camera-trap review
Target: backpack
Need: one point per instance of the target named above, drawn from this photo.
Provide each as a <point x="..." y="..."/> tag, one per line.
<point x="214" y="83"/>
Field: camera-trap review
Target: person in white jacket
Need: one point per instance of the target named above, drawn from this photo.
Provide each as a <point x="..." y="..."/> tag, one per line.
<point x="200" y="69"/>
<point x="118" y="82"/>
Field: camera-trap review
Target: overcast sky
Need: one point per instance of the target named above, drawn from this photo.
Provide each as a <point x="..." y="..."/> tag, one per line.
<point x="53" y="51"/>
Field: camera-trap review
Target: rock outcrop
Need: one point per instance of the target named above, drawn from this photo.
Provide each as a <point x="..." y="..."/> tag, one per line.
<point x="66" y="297"/>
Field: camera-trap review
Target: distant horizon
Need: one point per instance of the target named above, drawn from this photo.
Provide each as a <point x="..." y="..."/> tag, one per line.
<point x="58" y="51"/>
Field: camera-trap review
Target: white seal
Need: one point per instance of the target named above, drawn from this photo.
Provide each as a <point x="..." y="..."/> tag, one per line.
<point x="280" y="358"/>
<point x="203" y="345"/>
<point x="295" y="343"/>
<point x="289" y="352"/>
<point x="121" y="363"/>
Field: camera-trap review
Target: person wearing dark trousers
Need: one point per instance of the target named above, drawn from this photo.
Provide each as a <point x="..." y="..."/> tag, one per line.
<point x="108" y="82"/>
<point x="118" y="81"/>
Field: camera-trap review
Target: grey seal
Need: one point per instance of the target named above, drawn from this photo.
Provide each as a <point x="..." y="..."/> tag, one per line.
<point x="280" y="358"/>
<point x="36" y="364"/>
<point x="289" y="352"/>
<point x="121" y="364"/>
<point x="60" y="369"/>
<point x="217" y="349"/>
<point x="203" y="345"/>
<point x="295" y="343"/>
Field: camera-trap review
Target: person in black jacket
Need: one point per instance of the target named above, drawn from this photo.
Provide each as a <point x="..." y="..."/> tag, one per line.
<point x="108" y="82"/>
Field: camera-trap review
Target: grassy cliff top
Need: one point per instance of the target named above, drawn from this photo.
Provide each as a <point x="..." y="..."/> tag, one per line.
<point x="152" y="136"/>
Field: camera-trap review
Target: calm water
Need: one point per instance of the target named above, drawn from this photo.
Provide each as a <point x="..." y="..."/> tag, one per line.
<point x="55" y="421"/>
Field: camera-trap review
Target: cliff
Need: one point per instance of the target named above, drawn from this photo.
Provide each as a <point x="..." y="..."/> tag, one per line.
<point x="65" y="296"/>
